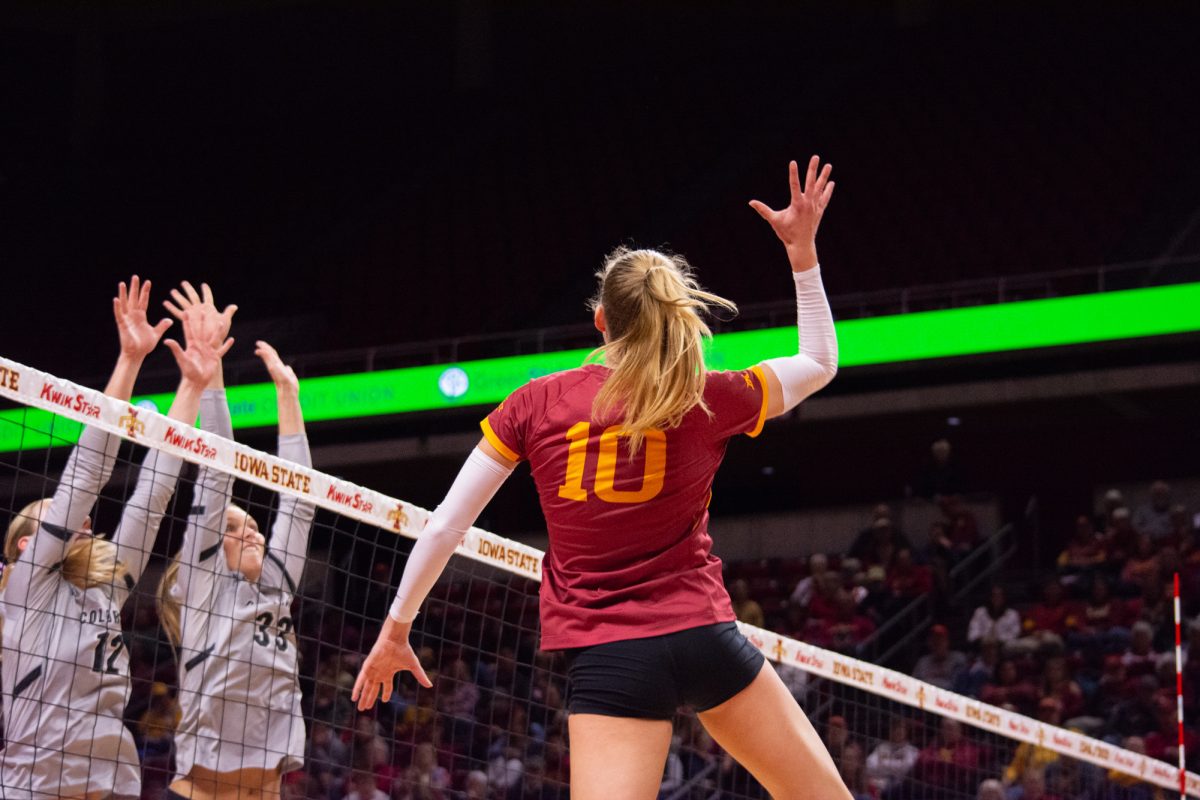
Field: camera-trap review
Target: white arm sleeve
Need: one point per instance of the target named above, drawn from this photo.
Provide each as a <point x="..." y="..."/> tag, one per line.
<point x="814" y="366"/>
<point x="477" y="483"/>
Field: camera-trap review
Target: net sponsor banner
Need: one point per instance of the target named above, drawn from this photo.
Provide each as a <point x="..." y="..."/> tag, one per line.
<point x="908" y="690"/>
<point x="81" y="405"/>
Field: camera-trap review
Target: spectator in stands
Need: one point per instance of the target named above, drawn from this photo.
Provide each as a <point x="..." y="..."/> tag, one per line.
<point x="1120" y="539"/>
<point x="425" y="778"/>
<point x="1163" y="742"/>
<point x="848" y="628"/>
<point x="1103" y="622"/>
<point x="951" y="761"/>
<point x="941" y="666"/>
<point x="1051" y="617"/>
<point x="1058" y="684"/>
<point x="824" y="603"/>
<point x="1136" y="715"/>
<point x="907" y="579"/>
<point x="744" y="607"/>
<point x="1085" y="551"/>
<point x="327" y="758"/>
<point x="995" y="620"/>
<point x="1010" y="689"/>
<point x="991" y="789"/>
<point x="882" y="527"/>
<point x="1113" y="499"/>
<point x="837" y="736"/>
<point x="1140" y="659"/>
<point x="1141" y="570"/>
<point x="1154" y="517"/>
<point x="878" y="543"/>
<point x="505" y="770"/>
<point x="806" y="587"/>
<point x="1032" y="756"/>
<point x="1031" y="787"/>
<point x="981" y="670"/>
<point x="877" y="602"/>
<point x="1182" y="529"/>
<point x="851" y="767"/>
<point x="940" y="476"/>
<point x="963" y="527"/>
<point x="477" y="785"/>
<point x="891" y="762"/>
<point x="362" y="787"/>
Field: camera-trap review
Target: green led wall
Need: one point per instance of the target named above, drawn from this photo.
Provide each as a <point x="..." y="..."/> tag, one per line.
<point x="1027" y="325"/>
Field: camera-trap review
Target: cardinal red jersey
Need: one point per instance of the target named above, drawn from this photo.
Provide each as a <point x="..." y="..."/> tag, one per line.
<point x="629" y="555"/>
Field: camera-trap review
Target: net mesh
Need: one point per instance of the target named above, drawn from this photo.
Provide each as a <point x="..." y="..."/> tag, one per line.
<point x="494" y="723"/>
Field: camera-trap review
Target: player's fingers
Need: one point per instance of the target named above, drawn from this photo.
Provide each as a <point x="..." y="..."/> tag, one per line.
<point x="358" y="684"/>
<point x="135" y="288"/>
<point x="763" y="210"/>
<point x="174" y="347"/>
<point x="162" y="326"/>
<point x="224" y="348"/>
<point x="810" y="178"/>
<point x="144" y="296"/>
<point x="419" y="673"/>
<point x="822" y="178"/>
<point x="228" y="313"/>
<point x="387" y="690"/>
<point x="794" y="180"/>
<point x="180" y="300"/>
<point x="122" y="293"/>
<point x="827" y="193"/>
<point x="174" y="309"/>
<point x="206" y="293"/>
<point x="190" y="291"/>
<point x="118" y="311"/>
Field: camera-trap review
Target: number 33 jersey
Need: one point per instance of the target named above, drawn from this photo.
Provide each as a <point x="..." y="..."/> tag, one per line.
<point x="238" y="688"/>
<point x="629" y="555"/>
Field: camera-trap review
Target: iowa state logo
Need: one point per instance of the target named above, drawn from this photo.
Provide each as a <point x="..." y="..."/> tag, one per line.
<point x="132" y="425"/>
<point x="398" y="518"/>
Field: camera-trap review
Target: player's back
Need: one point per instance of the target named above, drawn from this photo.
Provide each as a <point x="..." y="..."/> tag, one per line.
<point x="629" y="553"/>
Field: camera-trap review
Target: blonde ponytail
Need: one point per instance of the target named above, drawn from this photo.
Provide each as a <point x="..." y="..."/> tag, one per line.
<point x="168" y="604"/>
<point x="88" y="562"/>
<point x="652" y="307"/>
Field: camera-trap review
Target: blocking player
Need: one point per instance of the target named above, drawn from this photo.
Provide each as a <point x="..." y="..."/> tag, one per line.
<point x="624" y="455"/>
<point x="66" y="667"/>
<point x="225" y="601"/>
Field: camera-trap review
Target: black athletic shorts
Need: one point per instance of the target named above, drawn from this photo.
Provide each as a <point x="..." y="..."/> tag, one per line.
<point x="651" y="678"/>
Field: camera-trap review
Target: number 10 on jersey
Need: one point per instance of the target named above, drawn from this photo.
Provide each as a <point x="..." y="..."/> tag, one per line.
<point x="653" y="471"/>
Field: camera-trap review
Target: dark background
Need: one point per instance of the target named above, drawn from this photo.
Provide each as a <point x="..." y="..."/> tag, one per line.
<point x="358" y="174"/>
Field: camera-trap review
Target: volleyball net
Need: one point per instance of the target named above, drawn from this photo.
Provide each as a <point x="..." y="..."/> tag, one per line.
<point x="494" y="724"/>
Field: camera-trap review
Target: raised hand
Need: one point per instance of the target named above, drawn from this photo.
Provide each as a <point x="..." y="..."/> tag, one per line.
<point x="190" y="301"/>
<point x="283" y="375"/>
<point x="796" y="225"/>
<point x="138" y="337"/>
<point x="378" y="672"/>
<point x="201" y="358"/>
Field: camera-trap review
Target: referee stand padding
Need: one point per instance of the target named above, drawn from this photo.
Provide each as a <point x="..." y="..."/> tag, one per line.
<point x="36" y="389"/>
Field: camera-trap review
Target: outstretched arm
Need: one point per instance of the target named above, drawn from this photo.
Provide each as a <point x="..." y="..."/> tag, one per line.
<point x="793" y="378"/>
<point x="287" y="549"/>
<point x="160" y="471"/>
<point x="478" y="481"/>
<point x="91" y="461"/>
<point x="199" y="555"/>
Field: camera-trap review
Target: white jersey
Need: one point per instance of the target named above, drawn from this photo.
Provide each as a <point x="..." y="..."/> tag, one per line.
<point x="238" y="685"/>
<point x="66" y="666"/>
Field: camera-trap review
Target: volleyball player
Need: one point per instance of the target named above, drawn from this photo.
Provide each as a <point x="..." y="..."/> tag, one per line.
<point x="624" y="456"/>
<point x="66" y="667"/>
<point x="225" y="601"/>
